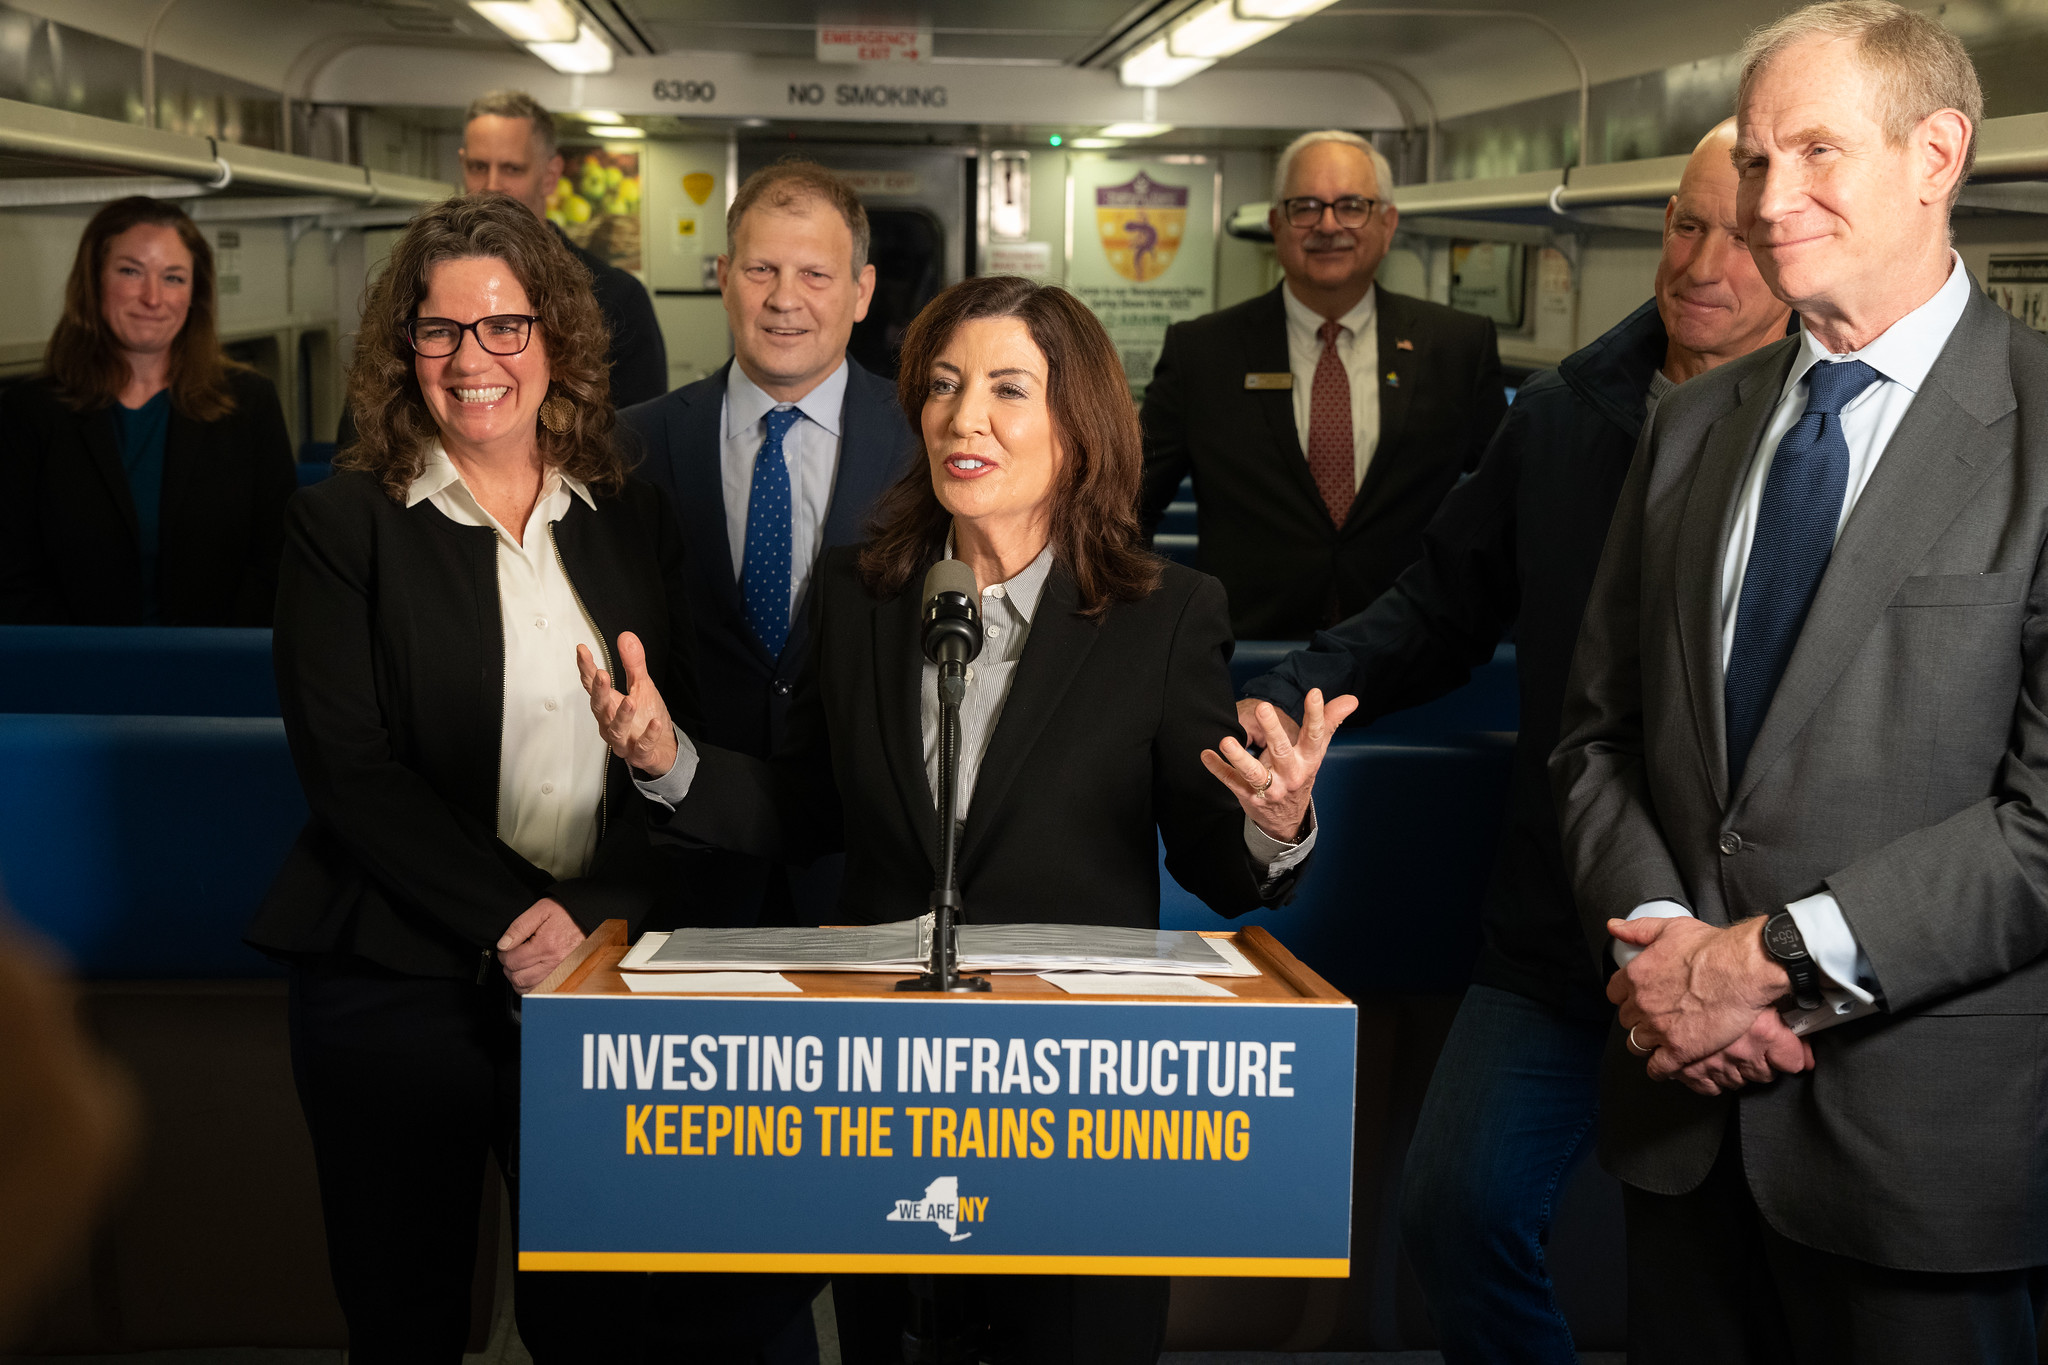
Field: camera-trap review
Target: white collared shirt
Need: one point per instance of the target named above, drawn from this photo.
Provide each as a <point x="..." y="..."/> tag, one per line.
<point x="1902" y="356"/>
<point x="551" y="759"/>
<point x="1358" y="347"/>
<point x="810" y="448"/>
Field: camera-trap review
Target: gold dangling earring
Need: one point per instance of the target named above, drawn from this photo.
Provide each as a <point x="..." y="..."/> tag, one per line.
<point x="556" y="413"/>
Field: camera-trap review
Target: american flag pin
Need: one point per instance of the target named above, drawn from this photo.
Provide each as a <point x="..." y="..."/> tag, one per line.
<point x="1404" y="344"/>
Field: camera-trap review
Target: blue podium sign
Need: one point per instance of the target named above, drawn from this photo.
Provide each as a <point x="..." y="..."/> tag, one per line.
<point x="870" y="1133"/>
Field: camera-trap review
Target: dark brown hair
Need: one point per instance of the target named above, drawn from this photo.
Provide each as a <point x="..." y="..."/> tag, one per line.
<point x="84" y="357"/>
<point x="788" y="183"/>
<point x="393" y="425"/>
<point x="1095" y="529"/>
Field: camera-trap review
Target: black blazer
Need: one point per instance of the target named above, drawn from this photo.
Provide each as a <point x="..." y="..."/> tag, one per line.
<point x="745" y="693"/>
<point x="1516" y="545"/>
<point x="390" y="672"/>
<point x="1096" y="755"/>
<point x="1263" y="528"/>
<point x="69" y="547"/>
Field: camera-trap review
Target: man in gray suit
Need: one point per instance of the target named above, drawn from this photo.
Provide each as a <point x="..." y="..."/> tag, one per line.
<point x="1803" y="787"/>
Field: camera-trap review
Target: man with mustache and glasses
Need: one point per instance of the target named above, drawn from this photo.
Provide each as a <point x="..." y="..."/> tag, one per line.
<point x="1511" y="1105"/>
<point x="1325" y="420"/>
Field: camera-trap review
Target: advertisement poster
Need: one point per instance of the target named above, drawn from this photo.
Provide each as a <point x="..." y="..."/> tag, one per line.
<point x="597" y="202"/>
<point x="919" y="1134"/>
<point x="2019" y="285"/>
<point x="1142" y="242"/>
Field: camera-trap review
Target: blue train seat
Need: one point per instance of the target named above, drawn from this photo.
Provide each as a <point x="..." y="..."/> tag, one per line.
<point x="1489" y="702"/>
<point x="140" y="845"/>
<point x="1391" y="901"/>
<point x="136" y="671"/>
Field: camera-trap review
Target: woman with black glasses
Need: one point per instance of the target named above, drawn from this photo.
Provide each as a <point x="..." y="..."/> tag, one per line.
<point x="469" y="825"/>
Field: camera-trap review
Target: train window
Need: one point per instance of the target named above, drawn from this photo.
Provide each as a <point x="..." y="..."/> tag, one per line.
<point x="908" y="249"/>
<point x="1486" y="278"/>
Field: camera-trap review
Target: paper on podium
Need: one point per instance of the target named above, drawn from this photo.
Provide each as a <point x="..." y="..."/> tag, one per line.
<point x="906" y="945"/>
<point x="710" y="983"/>
<point x="1132" y="983"/>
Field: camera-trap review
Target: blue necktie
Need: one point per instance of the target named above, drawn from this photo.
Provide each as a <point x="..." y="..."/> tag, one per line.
<point x="1795" y="535"/>
<point x="764" y="568"/>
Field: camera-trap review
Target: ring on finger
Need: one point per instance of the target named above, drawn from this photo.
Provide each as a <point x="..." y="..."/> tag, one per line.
<point x="1260" y="790"/>
<point x="1636" y="1047"/>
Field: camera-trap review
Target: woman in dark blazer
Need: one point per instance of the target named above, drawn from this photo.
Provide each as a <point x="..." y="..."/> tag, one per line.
<point x="147" y="474"/>
<point x="468" y="824"/>
<point x="1102" y="682"/>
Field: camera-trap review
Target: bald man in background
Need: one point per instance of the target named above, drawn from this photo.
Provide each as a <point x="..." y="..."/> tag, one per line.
<point x="1511" y="1107"/>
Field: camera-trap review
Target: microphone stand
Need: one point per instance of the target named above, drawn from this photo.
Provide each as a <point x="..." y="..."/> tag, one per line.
<point x="943" y="972"/>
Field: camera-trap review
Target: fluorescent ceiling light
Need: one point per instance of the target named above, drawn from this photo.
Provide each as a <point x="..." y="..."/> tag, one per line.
<point x="1152" y="64"/>
<point x="530" y="21"/>
<point x="621" y="131"/>
<point x="600" y="116"/>
<point x="1207" y="33"/>
<point x="1092" y="144"/>
<point x="1214" y="30"/>
<point x="1136" y="129"/>
<point x="589" y="55"/>
<point x="1289" y="10"/>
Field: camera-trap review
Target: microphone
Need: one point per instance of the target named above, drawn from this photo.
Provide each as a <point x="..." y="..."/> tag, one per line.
<point x="952" y="613"/>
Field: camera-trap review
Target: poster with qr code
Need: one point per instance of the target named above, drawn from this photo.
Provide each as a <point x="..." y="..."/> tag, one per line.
<point x="2019" y="285"/>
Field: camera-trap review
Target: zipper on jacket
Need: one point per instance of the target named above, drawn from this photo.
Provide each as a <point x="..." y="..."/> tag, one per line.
<point x="604" y="657"/>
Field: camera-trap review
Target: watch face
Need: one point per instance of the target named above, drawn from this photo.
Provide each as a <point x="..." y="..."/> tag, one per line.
<point x="1781" y="936"/>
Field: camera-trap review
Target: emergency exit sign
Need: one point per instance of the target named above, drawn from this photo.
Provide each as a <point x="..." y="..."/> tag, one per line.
<point x="873" y="43"/>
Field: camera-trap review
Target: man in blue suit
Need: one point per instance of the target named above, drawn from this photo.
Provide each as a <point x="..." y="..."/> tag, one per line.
<point x="771" y="461"/>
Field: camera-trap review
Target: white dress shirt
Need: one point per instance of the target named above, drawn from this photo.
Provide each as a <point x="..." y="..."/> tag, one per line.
<point x="1006" y="612"/>
<point x="1902" y="356"/>
<point x="1358" y="347"/>
<point x="551" y="759"/>
<point x="811" y="449"/>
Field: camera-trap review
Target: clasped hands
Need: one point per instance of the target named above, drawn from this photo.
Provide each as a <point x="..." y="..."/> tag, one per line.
<point x="635" y="724"/>
<point x="1700" y="1004"/>
<point x="1274" y="787"/>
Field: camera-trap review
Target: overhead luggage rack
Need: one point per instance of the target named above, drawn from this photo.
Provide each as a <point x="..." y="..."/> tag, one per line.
<point x="53" y="156"/>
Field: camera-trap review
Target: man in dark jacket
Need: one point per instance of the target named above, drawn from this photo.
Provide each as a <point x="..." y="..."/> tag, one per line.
<point x="1511" y="1106"/>
<point x="508" y="145"/>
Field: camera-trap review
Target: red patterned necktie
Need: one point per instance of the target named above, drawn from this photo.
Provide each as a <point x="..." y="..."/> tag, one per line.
<point x="1330" y="456"/>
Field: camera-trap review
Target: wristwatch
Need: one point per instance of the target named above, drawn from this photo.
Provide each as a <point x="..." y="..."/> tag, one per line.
<point x="1787" y="947"/>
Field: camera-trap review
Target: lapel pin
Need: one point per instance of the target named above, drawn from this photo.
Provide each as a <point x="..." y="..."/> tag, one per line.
<point x="1404" y="344"/>
<point x="1393" y="380"/>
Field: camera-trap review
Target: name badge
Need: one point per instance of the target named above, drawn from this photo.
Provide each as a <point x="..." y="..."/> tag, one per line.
<point x="1269" y="381"/>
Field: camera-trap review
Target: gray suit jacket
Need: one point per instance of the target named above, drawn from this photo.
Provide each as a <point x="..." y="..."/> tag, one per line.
<point x="1903" y="766"/>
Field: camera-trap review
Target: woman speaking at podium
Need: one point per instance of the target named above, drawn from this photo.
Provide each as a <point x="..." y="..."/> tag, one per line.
<point x="1101" y="683"/>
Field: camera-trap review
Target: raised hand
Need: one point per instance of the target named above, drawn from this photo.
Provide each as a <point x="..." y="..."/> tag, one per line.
<point x="635" y="722"/>
<point x="1275" y="793"/>
<point x="535" y="944"/>
<point x="1255" y="729"/>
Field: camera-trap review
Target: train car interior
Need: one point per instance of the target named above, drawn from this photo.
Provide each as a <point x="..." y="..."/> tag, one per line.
<point x="147" y="796"/>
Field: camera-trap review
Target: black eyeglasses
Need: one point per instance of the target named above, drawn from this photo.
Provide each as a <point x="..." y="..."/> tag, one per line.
<point x="1306" y="212"/>
<point x="502" y="334"/>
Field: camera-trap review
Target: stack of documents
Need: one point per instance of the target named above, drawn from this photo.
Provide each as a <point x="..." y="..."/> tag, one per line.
<point x="905" y="946"/>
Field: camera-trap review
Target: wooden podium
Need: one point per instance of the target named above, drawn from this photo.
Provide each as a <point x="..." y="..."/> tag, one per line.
<point x="1029" y="1130"/>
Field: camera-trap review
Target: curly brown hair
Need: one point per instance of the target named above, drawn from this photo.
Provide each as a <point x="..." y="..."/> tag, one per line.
<point x="1096" y="534"/>
<point x="394" y="427"/>
<point x="84" y="359"/>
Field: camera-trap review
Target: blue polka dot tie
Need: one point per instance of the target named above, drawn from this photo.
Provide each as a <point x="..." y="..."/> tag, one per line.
<point x="764" y="570"/>
<point x="1795" y="536"/>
